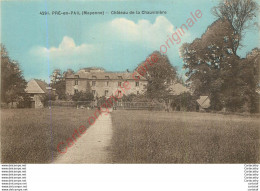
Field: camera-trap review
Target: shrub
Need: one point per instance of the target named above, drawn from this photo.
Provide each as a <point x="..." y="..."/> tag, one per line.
<point x="24" y="101"/>
<point x="184" y="101"/>
<point x="83" y="96"/>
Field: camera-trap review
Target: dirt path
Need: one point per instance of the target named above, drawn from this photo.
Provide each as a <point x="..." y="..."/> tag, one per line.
<point x="92" y="146"/>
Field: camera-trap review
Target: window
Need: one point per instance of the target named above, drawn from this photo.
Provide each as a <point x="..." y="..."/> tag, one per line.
<point x="106" y="92"/>
<point x="136" y="83"/>
<point x="93" y="92"/>
<point x="137" y="92"/>
<point x="94" y="77"/>
<point x="76" y="91"/>
<point x="119" y="93"/>
<point x="107" y="77"/>
<point x="93" y="83"/>
<point x="107" y="83"/>
<point x="119" y="83"/>
<point x="120" y="77"/>
<point x="76" y="82"/>
<point x="76" y="76"/>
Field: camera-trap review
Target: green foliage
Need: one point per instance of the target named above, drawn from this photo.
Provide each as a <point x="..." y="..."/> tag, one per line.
<point x="210" y="61"/>
<point x="60" y="87"/>
<point x="158" y="75"/>
<point x="215" y="70"/>
<point x="58" y="82"/>
<point x="24" y="101"/>
<point x="240" y="13"/>
<point x="13" y="83"/>
<point x="128" y="98"/>
<point x="101" y="100"/>
<point x="56" y="76"/>
<point x="249" y="77"/>
<point x="184" y="102"/>
<point x="136" y="98"/>
<point x="46" y="98"/>
<point x="83" y="96"/>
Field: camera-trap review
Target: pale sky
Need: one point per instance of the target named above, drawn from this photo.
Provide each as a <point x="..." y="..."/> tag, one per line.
<point x="115" y="42"/>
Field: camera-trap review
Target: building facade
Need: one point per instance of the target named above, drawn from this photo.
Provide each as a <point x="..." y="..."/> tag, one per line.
<point x="103" y="83"/>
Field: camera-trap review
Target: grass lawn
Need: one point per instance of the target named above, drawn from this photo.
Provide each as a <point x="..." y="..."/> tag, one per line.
<point x="26" y="133"/>
<point x="178" y="137"/>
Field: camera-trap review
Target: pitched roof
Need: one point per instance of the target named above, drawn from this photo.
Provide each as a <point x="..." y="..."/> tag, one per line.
<point x="101" y="75"/>
<point x="36" y="86"/>
<point x="204" y="102"/>
<point x="177" y="89"/>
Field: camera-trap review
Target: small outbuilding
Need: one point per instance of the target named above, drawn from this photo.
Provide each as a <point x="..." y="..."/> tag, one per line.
<point x="203" y="103"/>
<point x="37" y="90"/>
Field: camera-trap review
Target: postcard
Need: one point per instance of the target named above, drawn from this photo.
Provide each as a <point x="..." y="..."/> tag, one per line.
<point x="132" y="82"/>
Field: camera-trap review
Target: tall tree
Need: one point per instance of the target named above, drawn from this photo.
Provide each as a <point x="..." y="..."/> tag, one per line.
<point x="60" y="87"/>
<point x="210" y="61"/>
<point x="215" y="70"/>
<point x="56" y="76"/>
<point x="58" y="81"/>
<point x="13" y="83"/>
<point x="249" y="75"/>
<point x="240" y="13"/>
<point x="159" y="75"/>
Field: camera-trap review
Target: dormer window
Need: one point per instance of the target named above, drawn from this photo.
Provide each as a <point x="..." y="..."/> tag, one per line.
<point x="76" y="82"/>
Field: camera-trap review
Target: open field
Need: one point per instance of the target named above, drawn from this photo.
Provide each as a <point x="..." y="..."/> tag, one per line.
<point x="138" y="136"/>
<point x="26" y="133"/>
<point x="179" y="137"/>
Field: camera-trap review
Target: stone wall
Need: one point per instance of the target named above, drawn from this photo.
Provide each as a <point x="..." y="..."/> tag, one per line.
<point x="38" y="102"/>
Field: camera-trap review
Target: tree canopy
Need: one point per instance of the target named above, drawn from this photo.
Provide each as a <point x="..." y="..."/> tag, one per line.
<point x="159" y="75"/>
<point x="215" y="70"/>
<point x="13" y="83"/>
<point x="58" y="81"/>
<point x="240" y="13"/>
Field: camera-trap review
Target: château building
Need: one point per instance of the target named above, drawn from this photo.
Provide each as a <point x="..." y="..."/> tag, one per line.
<point x="103" y="83"/>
